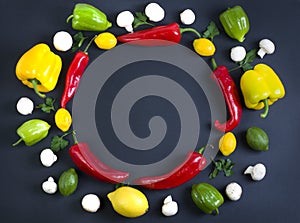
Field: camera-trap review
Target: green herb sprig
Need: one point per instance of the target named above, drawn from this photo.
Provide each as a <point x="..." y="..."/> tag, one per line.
<point x="222" y="165"/>
<point x="47" y="106"/>
<point x="59" y="142"/>
<point x="211" y="31"/>
<point x="140" y="19"/>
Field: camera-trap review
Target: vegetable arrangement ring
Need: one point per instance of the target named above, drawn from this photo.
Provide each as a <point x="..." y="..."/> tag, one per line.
<point x="92" y="84"/>
<point x="43" y="75"/>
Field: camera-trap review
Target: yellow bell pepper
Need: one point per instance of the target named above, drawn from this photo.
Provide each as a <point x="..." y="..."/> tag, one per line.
<point x="227" y="143"/>
<point x="39" y="68"/>
<point x="261" y="87"/>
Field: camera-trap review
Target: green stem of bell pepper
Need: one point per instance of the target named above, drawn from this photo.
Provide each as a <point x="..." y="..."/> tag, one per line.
<point x="265" y="113"/>
<point x="17" y="142"/>
<point x="35" y="84"/>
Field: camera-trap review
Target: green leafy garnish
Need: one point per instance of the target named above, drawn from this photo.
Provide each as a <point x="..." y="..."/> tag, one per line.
<point x="249" y="58"/>
<point x="48" y="106"/>
<point x="211" y="31"/>
<point x="222" y="165"/>
<point x="59" y="143"/>
<point x="140" y="19"/>
<point x="78" y="41"/>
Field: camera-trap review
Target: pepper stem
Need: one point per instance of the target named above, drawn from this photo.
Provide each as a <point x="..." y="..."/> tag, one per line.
<point x="18" y="142"/>
<point x="183" y="30"/>
<point x="264" y="115"/>
<point x="74" y="137"/>
<point x="88" y="45"/>
<point x="201" y="150"/>
<point x="217" y="211"/>
<point x="35" y="84"/>
<point x="69" y="18"/>
<point x="214" y="63"/>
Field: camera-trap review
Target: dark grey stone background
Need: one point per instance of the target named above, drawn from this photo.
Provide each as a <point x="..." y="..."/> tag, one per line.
<point x="275" y="199"/>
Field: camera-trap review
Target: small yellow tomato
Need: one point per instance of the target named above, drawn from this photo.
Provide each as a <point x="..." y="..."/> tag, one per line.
<point x="106" y="41"/>
<point x="63" y="119"/>
<point x="227" y="143"/>
<point x="204" y="47"/>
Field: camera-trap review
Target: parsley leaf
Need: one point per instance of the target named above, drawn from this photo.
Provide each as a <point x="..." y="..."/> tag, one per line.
<point x="249" y="58"/>
<point x="47" y="106"/>
<point x="222" y="165"/>
<point x="59" y="143"/>
<point x="78" y="41"/>
<point x="140" y="19"/>
<point x="211" y="31"/>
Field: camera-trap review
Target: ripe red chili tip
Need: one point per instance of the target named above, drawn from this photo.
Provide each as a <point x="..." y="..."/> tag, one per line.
<point x="191" y="166"/>
<point x="231" y="95"/>
<point x="88" y="163"/>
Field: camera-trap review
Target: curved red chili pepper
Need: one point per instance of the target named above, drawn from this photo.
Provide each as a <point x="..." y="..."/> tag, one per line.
<point x="230" y="92"/>
<point x="171" y="33"/>
<point x="88" y="163"/>
<point x="74" y="74"/>
<point x="191" y="166"/>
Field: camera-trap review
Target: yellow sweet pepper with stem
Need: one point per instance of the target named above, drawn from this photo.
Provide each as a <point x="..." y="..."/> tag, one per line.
<point x="261" y="87"/>
<point x="39" y="68"/>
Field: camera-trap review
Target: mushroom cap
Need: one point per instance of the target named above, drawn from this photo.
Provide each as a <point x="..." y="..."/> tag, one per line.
<point x="90" y="202"/>
<point x="187" y="17"/>
<point x="125" y="18"/>
<point x="238" y="53"/>
<point x="154" y="12"/>
<point x="267" y="45"/>
<point x="234" y="191"/>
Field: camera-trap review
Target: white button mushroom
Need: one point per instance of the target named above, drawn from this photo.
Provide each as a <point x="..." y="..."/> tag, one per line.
<point x="125" y="20"/>
<point x="49" y="186"/>
<point x="62" y="41"/>
<point x="187" y="17"/>
<point x="47" y="157"/>
<point x="90" y="202"/>
<point x="233" y="191"/>
<point x="25" y="106"/>
<point x="266" y="47"/>
<point x="238" y="53"/>
<point x="257" y="172"/>
<point x="154" y="12"/>
<point x="169" y="207"/>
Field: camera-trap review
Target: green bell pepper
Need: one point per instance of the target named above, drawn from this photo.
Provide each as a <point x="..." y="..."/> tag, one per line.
<point x="86" y="17"/>
<point x="32" y="131"/>
<point x="207" y="197"/>
<point x="235" y="22"/>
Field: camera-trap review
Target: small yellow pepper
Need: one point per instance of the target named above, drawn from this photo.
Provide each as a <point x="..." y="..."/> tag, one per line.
<point x="106" y="41"/>
<point x="39" y="68"/>
<point x="63" y="119"/>
<point x="227" y="143"/>
<point x="204" y="47"/>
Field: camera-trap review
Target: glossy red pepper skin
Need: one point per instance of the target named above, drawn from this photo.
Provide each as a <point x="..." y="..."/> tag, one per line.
<point x="74" y="74"/>
<point x="231" y="95"/>
<point x="170" y="32"/>
<point x="191" y="166"/>
<point x="88" y="163"/>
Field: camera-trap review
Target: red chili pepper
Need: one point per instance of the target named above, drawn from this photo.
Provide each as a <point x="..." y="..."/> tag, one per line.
<point x="191" y="166"/>
<point x="74" y="74"/>
<point x="171" y="33"/>
<point x="87" y="162"/>
<point x="230" y="92"/>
